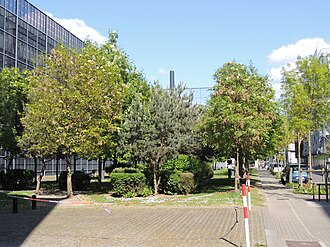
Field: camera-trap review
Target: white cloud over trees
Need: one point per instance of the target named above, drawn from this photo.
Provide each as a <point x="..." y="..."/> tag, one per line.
<point x="286" y="56"/>
<point x="80" y="29"/>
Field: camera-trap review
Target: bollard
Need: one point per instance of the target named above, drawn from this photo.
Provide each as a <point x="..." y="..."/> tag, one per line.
<point x="249" y="191"/>
<point x="34" y="202"/>
<point x="15" y="206"/>
<point x="246" y="217"/>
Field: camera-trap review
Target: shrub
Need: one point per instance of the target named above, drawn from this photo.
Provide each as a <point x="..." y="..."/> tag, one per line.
<point x="127" y="184"/>
<point x="80" y="180"/>
<point x="146" y="191"/>
<point x="17" y="179"/>
<point x="179" y="183"/>
<point x="172" y="183"/>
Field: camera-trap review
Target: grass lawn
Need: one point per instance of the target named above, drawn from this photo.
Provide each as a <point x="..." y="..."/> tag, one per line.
<point x="218" y="191"/>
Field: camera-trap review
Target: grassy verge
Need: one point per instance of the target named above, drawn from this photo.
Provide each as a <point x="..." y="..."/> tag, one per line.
<point x="218" y="191"/>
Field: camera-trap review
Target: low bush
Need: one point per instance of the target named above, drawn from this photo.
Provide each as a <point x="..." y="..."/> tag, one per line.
<point x="127" y="184"/>
<point x="80" y="181"/>
<point x="179" y="183"/>
<point x="17" y="179"/>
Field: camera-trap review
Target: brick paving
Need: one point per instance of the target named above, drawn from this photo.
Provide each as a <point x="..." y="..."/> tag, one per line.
<point x="286" y="220"/>
<point x="94" y="225"/>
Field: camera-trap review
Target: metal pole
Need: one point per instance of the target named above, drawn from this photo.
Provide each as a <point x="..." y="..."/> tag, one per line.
<point x="172" y="85"/>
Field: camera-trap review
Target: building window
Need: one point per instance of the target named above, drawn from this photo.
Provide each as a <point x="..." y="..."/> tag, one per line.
<point x="1" y="60"/>
<point x="10" y="23"/>
<point x="10" y="43"/>
<point x="2" y="18"/>
<point x="9" y="62"/>
<point x="21" y="66"/>
<point x="1" y="42"/>
<point x="32" y="36"/>
<point x="41" y="41"/>
<point x="11" y="5"/>
<point x="22" y="30"/>
<point x="21" y="51"/>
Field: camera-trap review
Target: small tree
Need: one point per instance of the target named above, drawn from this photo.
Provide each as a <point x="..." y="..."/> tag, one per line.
<point x="157" y="129"/>
<point x="240" y="115"/>
<point x="75" y="104"/>
<point x="306" y="97"/>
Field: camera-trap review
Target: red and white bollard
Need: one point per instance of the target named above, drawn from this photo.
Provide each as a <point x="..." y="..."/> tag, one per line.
<point x="246" y="217"/>
<point x="249" y="191"/>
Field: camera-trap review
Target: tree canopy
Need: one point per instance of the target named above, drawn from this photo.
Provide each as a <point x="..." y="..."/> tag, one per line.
<point x="159" y="128"/>
<point x="241" y="113"/>
<point x="75" y="102"/>
<point x="13" y="84"/>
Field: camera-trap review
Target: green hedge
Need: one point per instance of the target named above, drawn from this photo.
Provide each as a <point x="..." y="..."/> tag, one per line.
<point x="202" y="170"/>
<point x="179" y="183"/>
<point x="17" y="179"/>
<point x="127" y="184"/>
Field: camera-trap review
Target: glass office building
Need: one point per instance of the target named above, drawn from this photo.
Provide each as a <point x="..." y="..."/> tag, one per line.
<point x="26" y="32"/>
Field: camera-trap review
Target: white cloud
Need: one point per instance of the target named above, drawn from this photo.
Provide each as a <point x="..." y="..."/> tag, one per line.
<point x="303" y="47"/>
<point x="162" y="71"/>
<point x="80" y="29"/>
<point x="286" y="55"/>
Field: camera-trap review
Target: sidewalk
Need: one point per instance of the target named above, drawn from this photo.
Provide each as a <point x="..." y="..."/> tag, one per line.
<point x="291" y="219"/>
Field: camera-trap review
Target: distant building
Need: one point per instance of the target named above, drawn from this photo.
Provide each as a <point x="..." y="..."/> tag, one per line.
<point x="25" y="32"/>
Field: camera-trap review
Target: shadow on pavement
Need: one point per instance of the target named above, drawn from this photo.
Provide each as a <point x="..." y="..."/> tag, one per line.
<point x="15" y="228"/>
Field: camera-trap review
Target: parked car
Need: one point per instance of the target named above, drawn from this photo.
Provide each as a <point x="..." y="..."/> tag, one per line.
<point x="295" y="173"/>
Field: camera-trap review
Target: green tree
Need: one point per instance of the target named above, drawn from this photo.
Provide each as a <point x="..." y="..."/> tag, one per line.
<point x="74" y="104"/>
<point x="159" y="128"/>
<point x="240" y="115"/>
<point x="306" y="98"/>
<point x="13" y="85"/>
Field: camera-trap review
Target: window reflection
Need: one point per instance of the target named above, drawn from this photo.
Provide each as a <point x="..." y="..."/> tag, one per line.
<point x="36" y="33"/>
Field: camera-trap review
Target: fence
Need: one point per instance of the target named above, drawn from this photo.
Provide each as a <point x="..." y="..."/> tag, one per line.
<point x="201" y="94"/>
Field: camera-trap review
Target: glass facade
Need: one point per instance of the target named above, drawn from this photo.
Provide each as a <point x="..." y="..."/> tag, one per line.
<point x="26" y="32"/>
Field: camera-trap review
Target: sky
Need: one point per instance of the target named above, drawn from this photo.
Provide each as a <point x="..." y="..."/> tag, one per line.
<point x="194" y="38"/>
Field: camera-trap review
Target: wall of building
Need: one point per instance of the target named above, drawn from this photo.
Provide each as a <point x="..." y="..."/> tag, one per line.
<point x="26" y="32"/>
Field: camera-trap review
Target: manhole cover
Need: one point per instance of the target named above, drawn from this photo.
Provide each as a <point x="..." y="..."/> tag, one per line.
<point x="302" y="244"/>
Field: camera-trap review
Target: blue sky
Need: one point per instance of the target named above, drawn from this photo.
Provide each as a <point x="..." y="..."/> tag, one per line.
<point x="196" y="37"/>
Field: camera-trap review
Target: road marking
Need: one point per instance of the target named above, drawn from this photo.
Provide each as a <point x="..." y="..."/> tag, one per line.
<point x="310" y="234"/>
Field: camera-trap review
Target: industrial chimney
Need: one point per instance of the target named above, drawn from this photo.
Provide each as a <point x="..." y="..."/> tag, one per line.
<point x="172" y="79"/>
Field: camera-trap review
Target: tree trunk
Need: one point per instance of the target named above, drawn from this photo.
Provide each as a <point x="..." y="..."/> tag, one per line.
<point x="10" y="161"/>
<point x="68" y="176"/>
<point x="43" y="166"/>
<point x="237" y="171"/>
<point x="155" y="180"/>
<point x="99" y="164"/>
<point x="74" y="163"/>
<point x="299" y="139"/>
<point x="35" y="170"/>
<point x="309" y="157"/>
<point x="57" y="160"/>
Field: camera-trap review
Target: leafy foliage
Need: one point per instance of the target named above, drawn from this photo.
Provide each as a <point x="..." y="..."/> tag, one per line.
<point x="241" y="113"/>
<point x="159" y="128"/>
<point x="13" y="84"/>
<point x="179" y="183"/>
<point x="306" y="93"/>
<point x="17" y="179"/>
<point x="127" y="184"/>
<point x="80" y="180"/>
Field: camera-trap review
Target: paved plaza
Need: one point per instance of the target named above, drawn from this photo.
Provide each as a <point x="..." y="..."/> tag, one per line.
<point x="286" y="220"/>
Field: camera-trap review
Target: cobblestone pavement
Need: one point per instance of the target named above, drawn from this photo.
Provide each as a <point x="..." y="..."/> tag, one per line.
<point x="101" y="225"/>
